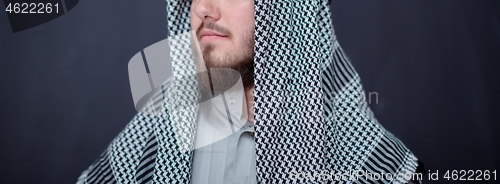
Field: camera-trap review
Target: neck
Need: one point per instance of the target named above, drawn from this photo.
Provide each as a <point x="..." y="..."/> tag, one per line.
<point x="249" y="99"/>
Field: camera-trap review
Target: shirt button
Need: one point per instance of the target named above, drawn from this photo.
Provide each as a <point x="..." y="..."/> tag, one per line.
<point x="232" y="101"/>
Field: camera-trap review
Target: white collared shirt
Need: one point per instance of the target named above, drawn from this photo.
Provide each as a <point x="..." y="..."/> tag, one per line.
<point x="224" y="144"/>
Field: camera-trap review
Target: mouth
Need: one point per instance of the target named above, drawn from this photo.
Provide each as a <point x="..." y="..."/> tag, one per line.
<point x="207" y="35"/>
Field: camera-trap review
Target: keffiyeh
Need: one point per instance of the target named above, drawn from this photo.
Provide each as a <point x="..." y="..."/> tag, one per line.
<point x="311" y="115"/>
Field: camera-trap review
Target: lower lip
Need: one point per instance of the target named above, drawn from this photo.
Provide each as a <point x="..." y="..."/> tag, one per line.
<point x="212" y="38"/>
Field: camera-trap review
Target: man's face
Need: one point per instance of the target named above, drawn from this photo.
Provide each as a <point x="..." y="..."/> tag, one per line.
<point x="225" y="31"/>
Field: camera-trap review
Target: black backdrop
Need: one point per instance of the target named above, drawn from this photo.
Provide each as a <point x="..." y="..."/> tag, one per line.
<point x="65" y="92"/>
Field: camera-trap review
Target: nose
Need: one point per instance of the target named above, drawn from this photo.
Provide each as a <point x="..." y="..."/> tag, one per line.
<point x="207" y="10"/>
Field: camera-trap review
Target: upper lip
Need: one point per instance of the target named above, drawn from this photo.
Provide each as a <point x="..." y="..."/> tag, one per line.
<point x="209" y="32"/>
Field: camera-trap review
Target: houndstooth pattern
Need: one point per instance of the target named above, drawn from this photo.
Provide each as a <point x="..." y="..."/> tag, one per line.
<point x="176" y="130"/>
<point x="353" y="134"/>
<point x="126" y="149"/>
<point x="311" y="113"/>
<point x="288" y="96"/>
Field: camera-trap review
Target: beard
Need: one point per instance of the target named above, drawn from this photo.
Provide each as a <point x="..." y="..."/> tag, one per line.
<point x="225" y="70"/>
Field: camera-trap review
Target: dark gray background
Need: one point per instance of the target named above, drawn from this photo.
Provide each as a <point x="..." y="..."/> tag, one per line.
<point x="65" y="92"/>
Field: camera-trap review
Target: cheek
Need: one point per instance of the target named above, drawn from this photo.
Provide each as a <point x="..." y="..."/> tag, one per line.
<point x="195" y="21"/>
<point x="246" y="33"/>
<point x="242" y="21"/>
<point x="244" y="14"/>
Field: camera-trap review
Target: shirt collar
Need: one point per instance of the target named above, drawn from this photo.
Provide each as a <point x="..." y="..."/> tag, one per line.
<point x="236" y="102"/>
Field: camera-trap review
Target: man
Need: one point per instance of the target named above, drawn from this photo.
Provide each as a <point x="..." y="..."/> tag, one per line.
<point x="297" y="113"/>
